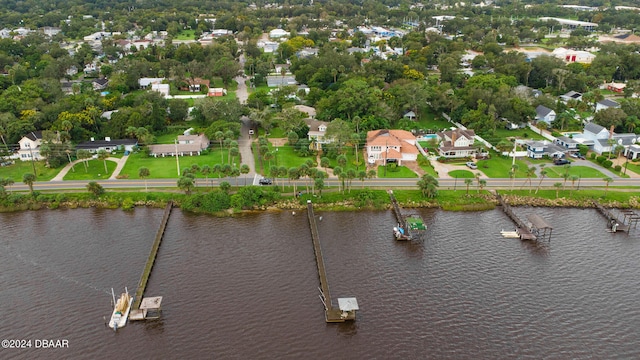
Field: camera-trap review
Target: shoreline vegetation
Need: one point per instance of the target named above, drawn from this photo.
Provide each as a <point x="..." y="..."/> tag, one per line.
<point x="257" y="199"/>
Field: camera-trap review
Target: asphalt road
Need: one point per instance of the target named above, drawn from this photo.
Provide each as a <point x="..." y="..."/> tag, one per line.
<point x="450" y="184"/>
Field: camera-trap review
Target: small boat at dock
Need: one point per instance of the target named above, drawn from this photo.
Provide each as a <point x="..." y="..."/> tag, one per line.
<point x="510" y="234"/>
<point x="121" y="309"/>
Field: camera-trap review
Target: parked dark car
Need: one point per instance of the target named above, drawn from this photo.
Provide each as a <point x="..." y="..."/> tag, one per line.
<point x="265" y="181"/>
<point x="561" y="162"/>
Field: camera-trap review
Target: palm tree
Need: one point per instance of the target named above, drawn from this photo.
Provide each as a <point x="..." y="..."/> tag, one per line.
<point x="95" y="188"/>
<point x="566" y="175"/>
<point x="337" y="171"/>
<point x="351" y="174"/>
<point x="103" y="155"/>
<point x="84" y="155"/>
<point x="557" y="185"/>
<point x="468" y="182"/>
<point x="355" y="140"/>
<point x="219" y="135"/>
<point x="29" y="179"/>
<point x="205" y="170"/>
<point x="477" y="177"/>
<point x="482" y="183"/>
<point x="543" y="172"/>
<point x="531" y="171"/>
<point x="573" y="178"/>
<point x="185" y="183"/>
<point x="144" y="173"/>
<point x="607" y="180"/>
<point x="244" y="170"/>
<point x="362" y="175"/>
<point x="428" y="185"/>
<point x="235" y="172"/>
<point x="512" y="174"/>
<point x="233" y="152"/>
<point x="324" y="162"/>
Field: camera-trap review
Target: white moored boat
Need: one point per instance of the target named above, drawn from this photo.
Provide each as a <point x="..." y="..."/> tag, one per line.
<point x="120" y="310"/>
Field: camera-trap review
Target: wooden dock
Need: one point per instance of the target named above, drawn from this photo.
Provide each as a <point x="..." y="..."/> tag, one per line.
<point x="413" y="225"/>
<point x="332" y="313"/>
<point x="629" y="218"/>
<point x="536" y="229"/>
<point x="144" y="278"/>
<point x="396" y="210"/>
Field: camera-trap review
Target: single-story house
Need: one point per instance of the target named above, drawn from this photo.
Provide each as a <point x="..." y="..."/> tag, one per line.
<point x="538" y="149"/>
<point x="279" y="80"/>
<point x="100" y="84"/>
<point x="567" y="142"/>
<point x="545" y="114"/>
<point x="310" y="111"/>
<point x="186" y="145"/>
<point x="571" y="56"/>
<point x="196" y="84"/>
<point x="409" y="115"/>
<point x="30" y="146"/>
<point x="145" y="83"/>
<point x="571" y="95"/>
<point x="217" y="92"/>
<point x="278" y="33"/>
<point x="107" y="144"/>
<point x="163" y="89"/>
<point x="384" y="146"/>
<point x="606" y="104"/>
<point x="456" y="143"/>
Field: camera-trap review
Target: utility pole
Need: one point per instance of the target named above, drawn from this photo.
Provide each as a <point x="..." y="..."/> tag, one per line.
<point x="177" y="158"/>
<point x="386" y="154"/>
<point x="33" y="164"/>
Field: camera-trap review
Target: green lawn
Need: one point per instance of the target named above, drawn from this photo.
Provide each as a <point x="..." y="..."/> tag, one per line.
<point x="633" y="166"/>
<point x="169" y="138"/>
<point x="166" y="167"/>
<point x="400" y="172"/>
<point x="17" y="170"/>
<point x="276" y="133"/>
<point x="582" y="171"/>
<point x="186" y="35"/>
<point x="462" y="174"/>
<point x="95" y="171"/>
<point x="426" y="166"/>
<point x="430" y="122"/>
<point x="284" y="156"/>
<point x="499" y="167"/>
<point x="501" y="133"/>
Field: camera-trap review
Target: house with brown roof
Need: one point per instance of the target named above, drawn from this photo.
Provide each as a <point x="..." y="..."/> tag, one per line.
<point x="456" y="143"/>
<point x="317" y="130"/>
<point x="195" y="85"/>
<point x="185" y="145"/>
<point x="384" y="146"/>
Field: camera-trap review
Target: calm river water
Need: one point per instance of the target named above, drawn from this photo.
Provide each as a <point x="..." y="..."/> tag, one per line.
<point x="246" y="287"/>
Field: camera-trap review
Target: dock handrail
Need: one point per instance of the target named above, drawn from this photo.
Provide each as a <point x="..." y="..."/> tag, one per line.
<point x="146" y="272"/>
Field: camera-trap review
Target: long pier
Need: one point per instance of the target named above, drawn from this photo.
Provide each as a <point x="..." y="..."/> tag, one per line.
<point x="616" y="224"/>
<point x="144" y="278"/>
<point x="332" y="313"/>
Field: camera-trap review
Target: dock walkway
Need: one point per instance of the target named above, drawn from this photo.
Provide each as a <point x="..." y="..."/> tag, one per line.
<point x="144" y="278"/>
<point x="332" y="313"/>
<point x="538" y="229"/>
<point x="615" y="223"/>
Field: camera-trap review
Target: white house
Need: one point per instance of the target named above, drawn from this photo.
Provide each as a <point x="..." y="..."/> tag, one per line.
<point x="145" y="82"/>
<point x="186" y="145"/>
<point x="456" y="143"/>
<point x="606" y="140"/>
<point x="107" y="144"/>
<point x="161" y="88"/>
<point x="538" y="149"/>
<point x="606" y="104"/>
<point x="30" y="146"/>
<point x="571" y="95"/>
<point x="545" y="114"/>
<point x="385" y="146"/>
<point x="317" y="130"/>
<point x="278" y="33"/>
<point x="571" y="56"/>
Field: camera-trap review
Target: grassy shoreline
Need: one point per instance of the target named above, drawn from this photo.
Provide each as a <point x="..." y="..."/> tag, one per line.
<point x="365" y="199"/>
